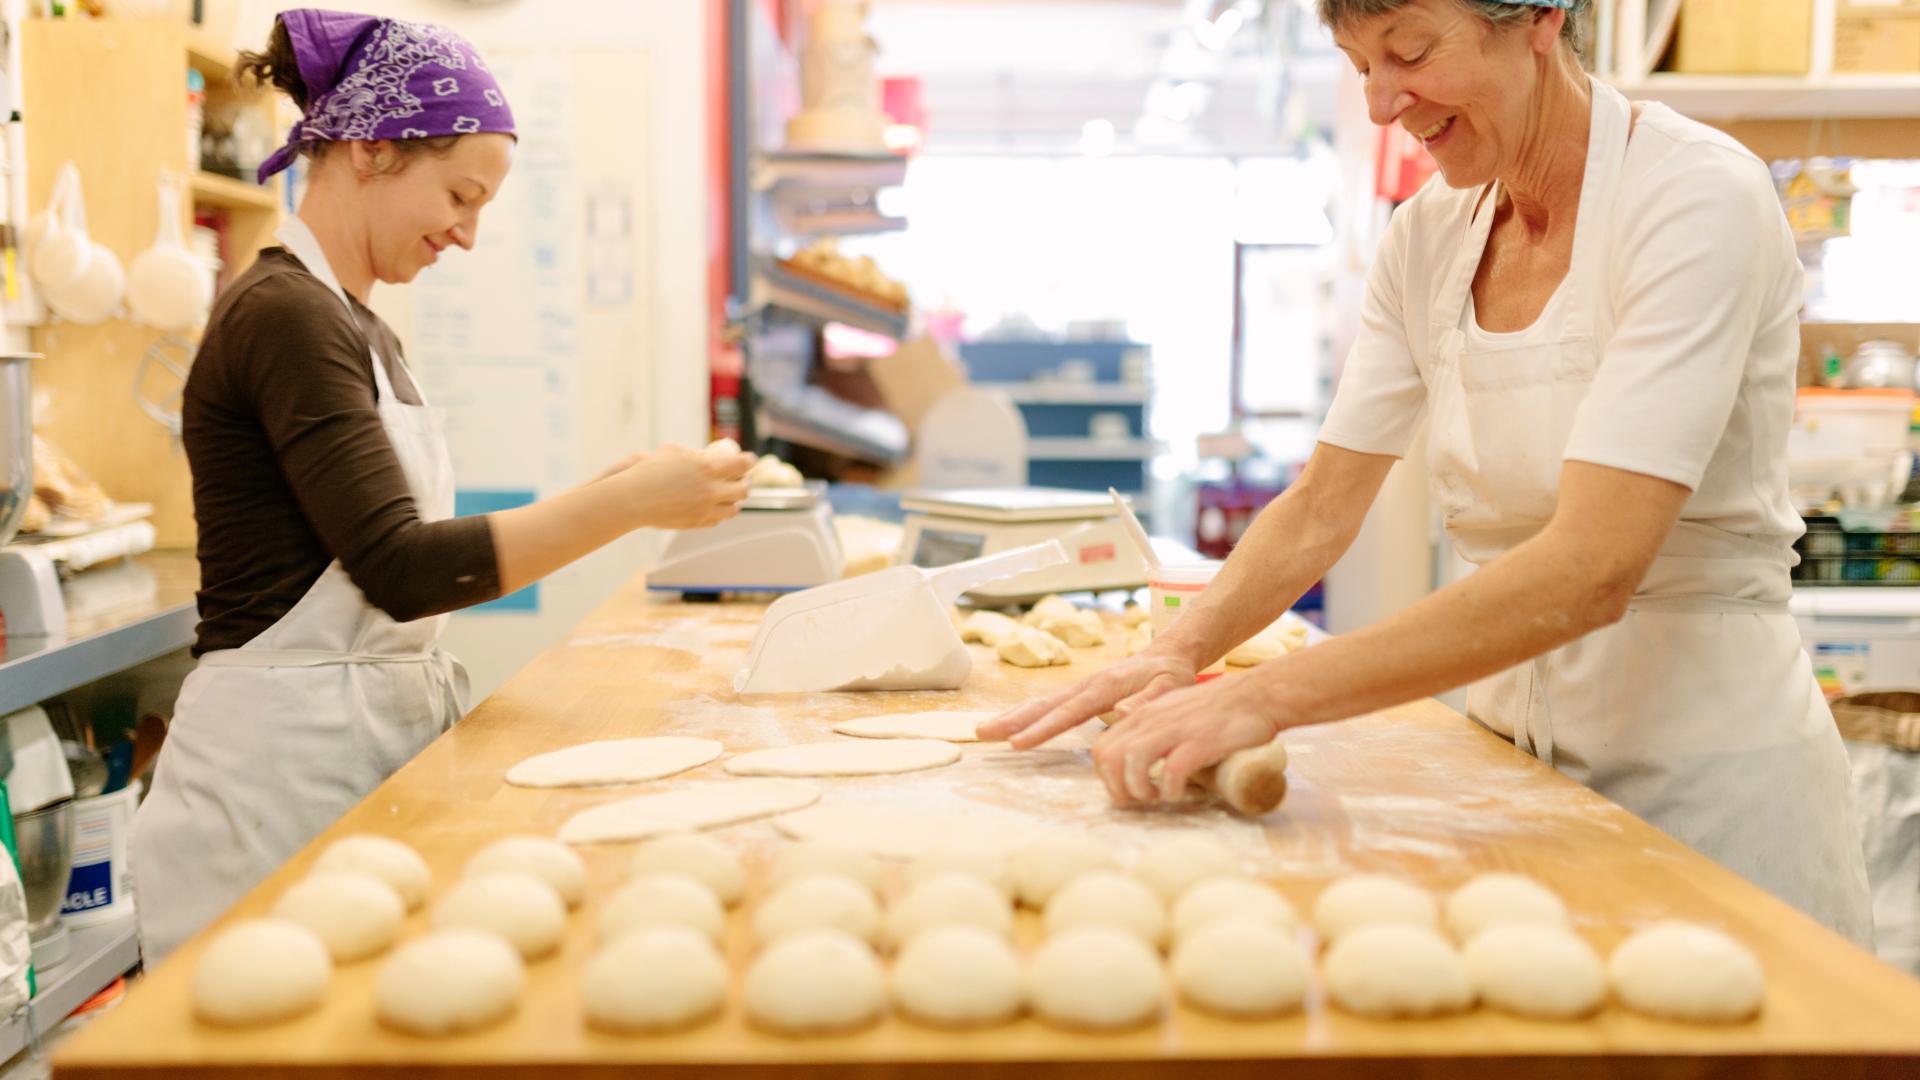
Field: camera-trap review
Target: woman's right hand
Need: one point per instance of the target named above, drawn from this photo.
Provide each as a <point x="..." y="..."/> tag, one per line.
<point x="678" y="488"/>
<point x="1120" y="689"/>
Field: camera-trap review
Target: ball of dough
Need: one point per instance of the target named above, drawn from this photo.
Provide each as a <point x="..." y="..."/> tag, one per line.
<point x="549" y="860"/>
<point x="1030" y="648"/>
<point x="1396" y="969"/>
<point x="711" y="862"/>
<point x="1535" y="969"/>
<point x="816" y="980"/>
<point x="1684" y="971"/>
<point x="823" y="857"/>
<point x="947" y="899"/>
<point x="521" y="909"/>
<point x="654" y="979"/>
<point x="449" y="981"/>
<point x="1241" y="967"/>
<point x="1044" y="863"/>
<point x="1097" y="977"/>
<point x="389" y="860"/>
<point x="1499" y="899"/>
<point x="1108" y="898"/>
<point x="354" y="915"/>
<point x="1230" y="898"/>
<point x="1177" y="863"/>
<point x="662" y="899"/>
<point x="818" y="900"/>
<point x="958" y="976"/>
<point x="988" y="864"/>
<point x="258" y="971"/>
<point x="1364" y="899"/>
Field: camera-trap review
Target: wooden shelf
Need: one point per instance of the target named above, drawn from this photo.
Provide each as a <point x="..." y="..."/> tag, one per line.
<point x="212" y="189"/>
<point x="213" y="65"/>
<point x="1713" y="98"/>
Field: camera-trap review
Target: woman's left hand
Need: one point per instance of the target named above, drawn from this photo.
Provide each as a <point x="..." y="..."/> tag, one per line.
<point x="1184" y="731"/>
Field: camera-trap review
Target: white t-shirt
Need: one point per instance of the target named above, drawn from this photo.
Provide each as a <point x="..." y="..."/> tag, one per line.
<point x="1698" y="328"/>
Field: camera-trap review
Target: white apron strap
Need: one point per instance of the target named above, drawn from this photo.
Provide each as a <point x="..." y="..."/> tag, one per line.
<point x="273" y="658"/>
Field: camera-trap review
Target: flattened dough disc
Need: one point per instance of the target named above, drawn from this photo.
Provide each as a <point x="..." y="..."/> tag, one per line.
<point x="614" y="761"/>
<point x="700" y="806"/>
<point x="845" y="757"/>
<point x="949" y="726"/>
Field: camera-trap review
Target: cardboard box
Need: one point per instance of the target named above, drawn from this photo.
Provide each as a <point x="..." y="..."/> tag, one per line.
<point x="1876" y="40"/>
<point x="1744" y="37"/>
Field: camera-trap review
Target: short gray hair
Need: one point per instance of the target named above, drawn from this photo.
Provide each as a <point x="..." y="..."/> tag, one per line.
<point x="1577" y="33"/>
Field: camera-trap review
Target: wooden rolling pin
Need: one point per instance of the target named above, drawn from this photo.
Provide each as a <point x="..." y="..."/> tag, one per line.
<point x="1251" y="782"/>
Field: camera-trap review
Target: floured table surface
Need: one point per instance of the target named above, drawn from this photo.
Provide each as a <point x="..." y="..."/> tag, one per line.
<point x="1417" y="791"/>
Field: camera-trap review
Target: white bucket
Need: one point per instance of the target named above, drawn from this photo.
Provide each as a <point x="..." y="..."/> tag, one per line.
<point x="100" y="888"/>
<point x="1171" y="590"/>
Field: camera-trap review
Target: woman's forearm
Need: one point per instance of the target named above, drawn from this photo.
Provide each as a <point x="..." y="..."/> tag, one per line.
<point x="532" y="541"/>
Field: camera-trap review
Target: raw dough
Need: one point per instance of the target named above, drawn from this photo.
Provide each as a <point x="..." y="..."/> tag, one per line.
<point x="950" y="726"/>
<point x="663" y="899"/>
<point x="1179" y="862"/>
<point x="1363" y="899"/>
<point x="815" y="901"/>
<point x="948" y="900"/>
<point x="1096" y="977"/>
<point x="1396" y="969"/>
<point x="706" y="860"/>
<point x="449" y="981"/>
<point x="723" y="446"/>
<point x="1030" y="648"/>
<point x="1684" y="971"/>
<point x="987" y="627"/>
<point x="1048" y="607"/>
<point x="1081" y="630"/>
<point x="1135" y="615"/>
<point x="1107" y="898"/>
<point x="1498" y="900"/>
<point x="389" y="860"/>
<point x="771" y="472"/>
<point x="695" y="807"/>
<point x="890" y="831"/>
<point x="258" y="971"/>
<point x="823" y="857"/>
<point x="519" y="908"/>
<point x="958" y="976"/>
<point x="1283" y="637"/>
<point x="845" y="757"/>
<point x="1139" y="638"/>
<point x="614" y="761"/>
<point x="1241" y="967"/>
<point x="549" y="860"/>
<point x="1043" y="863"/>
<point x="354" y="915"/>
<point x="1230" y="899"/>
<point x="657" y="979"/>
<point x="1535" y="969"/>
<point x="985" y="863"/>
<point x="814" y="981"/>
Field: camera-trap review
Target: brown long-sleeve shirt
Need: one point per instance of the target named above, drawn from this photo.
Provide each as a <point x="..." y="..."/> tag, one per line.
<point x="292" y="470"/>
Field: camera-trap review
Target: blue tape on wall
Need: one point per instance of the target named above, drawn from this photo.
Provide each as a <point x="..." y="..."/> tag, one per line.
<point x="468" y="503"/>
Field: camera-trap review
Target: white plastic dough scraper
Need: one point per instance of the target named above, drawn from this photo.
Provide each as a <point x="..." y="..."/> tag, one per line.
<point x="890" y="630"/>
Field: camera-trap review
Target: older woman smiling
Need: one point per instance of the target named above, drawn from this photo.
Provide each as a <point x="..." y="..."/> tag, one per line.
<point x="1593" y="311"/>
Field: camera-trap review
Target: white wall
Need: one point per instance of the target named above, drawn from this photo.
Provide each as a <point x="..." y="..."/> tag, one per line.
<point x="639" y="376"/>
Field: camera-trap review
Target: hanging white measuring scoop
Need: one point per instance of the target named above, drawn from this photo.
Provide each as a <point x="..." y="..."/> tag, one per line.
<point x="167" y="287"/>
<point x="80" y="278"/>
<point x="890" y="630"/>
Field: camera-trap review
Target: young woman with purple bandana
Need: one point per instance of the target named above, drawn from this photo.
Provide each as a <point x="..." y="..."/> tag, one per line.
<point x="329" y="554"/>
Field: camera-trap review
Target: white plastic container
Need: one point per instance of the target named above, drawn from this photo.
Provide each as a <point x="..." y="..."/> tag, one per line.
<point x="1832" y="424"/>
<point x="100" y="888"/>
<point x="1172" y="590"/>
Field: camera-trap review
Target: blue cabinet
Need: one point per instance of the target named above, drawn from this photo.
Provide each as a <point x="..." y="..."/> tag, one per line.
<point x="1060" y="387"/>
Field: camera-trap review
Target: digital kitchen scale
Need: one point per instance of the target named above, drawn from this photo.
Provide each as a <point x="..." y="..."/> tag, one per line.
<point x="945" y="527"/>
<point x="782" y="540"/>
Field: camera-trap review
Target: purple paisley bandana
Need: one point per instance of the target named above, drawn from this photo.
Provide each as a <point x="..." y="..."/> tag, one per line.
<point x="370" y="78"/>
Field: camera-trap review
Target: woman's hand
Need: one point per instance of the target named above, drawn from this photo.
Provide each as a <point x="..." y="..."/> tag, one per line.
<point x="1121" y="689"/>
<point x="677" y="488"/>
<point x="1183" y="732"/>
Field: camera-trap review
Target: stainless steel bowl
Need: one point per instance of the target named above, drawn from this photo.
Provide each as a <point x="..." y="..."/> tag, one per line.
<point x="16" y="440"/>
<point x="45" y="841"/>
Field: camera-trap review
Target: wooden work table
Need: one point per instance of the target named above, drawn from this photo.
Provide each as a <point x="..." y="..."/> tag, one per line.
<point x="1416" y="790"/>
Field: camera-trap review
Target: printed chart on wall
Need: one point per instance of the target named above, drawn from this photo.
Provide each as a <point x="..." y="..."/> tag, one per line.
<point x="495" y="331"/>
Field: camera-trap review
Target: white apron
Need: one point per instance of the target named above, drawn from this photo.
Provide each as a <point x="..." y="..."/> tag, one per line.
<point x="272" y="742"/>
<point x="1698" y="711"/>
